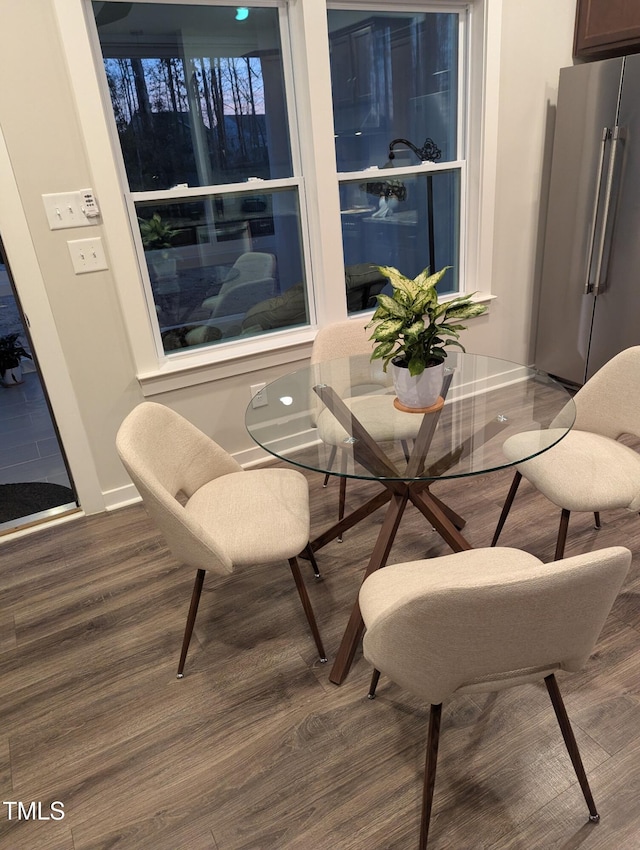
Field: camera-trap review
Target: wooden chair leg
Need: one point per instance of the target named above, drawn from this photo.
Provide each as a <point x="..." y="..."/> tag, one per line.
<point x="332" y="457"/>
<point x="191" y="619"/>
<point x="342" y="498"/>
<point x="596" y="517"/>
<point x="572" y="746"/>
<point x="375" y="676"/>
<point x="517" y="478"/>
<point x="308" y="552"/>
<point x="433" y="739"/>
<point x="308" y="610"/>
<point x="562" y="534"/>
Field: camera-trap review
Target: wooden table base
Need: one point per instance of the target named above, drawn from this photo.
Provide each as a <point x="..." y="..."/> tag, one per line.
<point x="399" y="488"/>
<point x="442" y="522"/>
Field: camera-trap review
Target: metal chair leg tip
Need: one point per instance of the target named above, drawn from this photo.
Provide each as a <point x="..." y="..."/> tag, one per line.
<point x="594" y="818"/>
<point x="323" y="660"/>
<point x="180" y="676"/>
<point x="371" y="696"/>
<point x="318" y="577"/>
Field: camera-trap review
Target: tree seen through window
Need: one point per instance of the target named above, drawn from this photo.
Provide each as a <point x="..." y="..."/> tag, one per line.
<point x="160" y="104"/>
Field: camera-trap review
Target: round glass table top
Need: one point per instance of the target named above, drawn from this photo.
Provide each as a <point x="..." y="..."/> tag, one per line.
<point x="338" y="417"/>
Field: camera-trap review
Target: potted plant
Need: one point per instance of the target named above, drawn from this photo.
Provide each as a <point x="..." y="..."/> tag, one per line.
<point x="157" y="237"/>
<point x="412" y="330"/>
<point x="11" y="353"/>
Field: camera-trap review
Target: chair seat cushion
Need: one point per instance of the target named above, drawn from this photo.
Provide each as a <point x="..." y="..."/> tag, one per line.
<point x="271" y="506"/>
<point x="284" y="310"/>
<point x="583" y="472"/>
<point x="378" y="416"/>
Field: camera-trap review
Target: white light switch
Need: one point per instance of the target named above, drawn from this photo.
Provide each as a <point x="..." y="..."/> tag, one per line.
<point x="87" y="255"/>
<point x="71" y="209"/>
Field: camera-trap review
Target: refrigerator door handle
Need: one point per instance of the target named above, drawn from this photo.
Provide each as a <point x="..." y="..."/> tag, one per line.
<point x="606" y="135"/>
<point x="607" y="221"/>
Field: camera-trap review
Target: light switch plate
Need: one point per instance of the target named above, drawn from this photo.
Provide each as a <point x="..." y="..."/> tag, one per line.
<point x="87" y="255"/>
<point x="71" y="209"/>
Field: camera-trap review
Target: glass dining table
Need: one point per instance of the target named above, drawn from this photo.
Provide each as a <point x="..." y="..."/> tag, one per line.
<point x="339" y="418"/>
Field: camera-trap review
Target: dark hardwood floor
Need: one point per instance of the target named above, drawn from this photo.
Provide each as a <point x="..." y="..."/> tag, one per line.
<point x="255" y="749"/>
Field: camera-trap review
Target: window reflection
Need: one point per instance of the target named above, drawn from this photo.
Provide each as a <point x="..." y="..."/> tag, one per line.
<point x="199" y="104"/>
<point x="395" y="103"/>
<point x="224" y="267"/>
<point x="408" y="221"/>
<point x="394" y="75"/>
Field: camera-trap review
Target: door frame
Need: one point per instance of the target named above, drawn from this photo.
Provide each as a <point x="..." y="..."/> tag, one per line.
<point x="18" y="246"/>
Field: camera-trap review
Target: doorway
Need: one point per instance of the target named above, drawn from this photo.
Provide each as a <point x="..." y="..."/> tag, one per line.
<point x="35" y="481"/>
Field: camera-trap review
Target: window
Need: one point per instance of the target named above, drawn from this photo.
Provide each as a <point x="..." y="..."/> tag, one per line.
<point x="213" y="147"/>
<point x="199" y="103"/>
<point x="395" y="86"/>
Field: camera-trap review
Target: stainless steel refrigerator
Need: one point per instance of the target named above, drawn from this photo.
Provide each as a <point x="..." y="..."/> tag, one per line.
<point x="589" y="297"/>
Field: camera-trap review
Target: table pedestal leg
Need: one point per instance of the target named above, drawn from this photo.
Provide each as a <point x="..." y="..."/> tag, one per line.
<point x="378" y="559"/>
<point x="439" y="516"/>
<point x="443" y="524"/>
<point x="455" y="518"/>
<point x="349" y="521"/>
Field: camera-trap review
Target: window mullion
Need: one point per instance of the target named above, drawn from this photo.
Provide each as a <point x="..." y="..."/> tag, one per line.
<point x="310" y="55"/>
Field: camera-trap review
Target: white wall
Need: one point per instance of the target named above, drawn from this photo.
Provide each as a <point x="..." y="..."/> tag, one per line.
<point x="48" y="153"/>
<point x="537" y="40"/>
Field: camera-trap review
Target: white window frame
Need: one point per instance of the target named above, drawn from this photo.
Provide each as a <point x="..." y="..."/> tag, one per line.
<point x="308" y="73"/>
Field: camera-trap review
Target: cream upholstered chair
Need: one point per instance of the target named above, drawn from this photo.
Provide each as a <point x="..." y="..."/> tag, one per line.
<point x="341" y="339"/>
<point x="485" y="620"/>
<point x="251" y="279"/>
<point x="589" y="469"/>
<point x="376" y="412"/>
<point x="228" y="518"/>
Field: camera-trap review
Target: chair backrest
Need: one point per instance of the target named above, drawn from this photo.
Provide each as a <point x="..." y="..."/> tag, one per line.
<point x="341" y="339"/>
<point x="166" y="455"/>
<point x="253" y="265"/>
<point x="251" y="279"/>
<point x="487" y="619"/>
<point x="609" y="403"/>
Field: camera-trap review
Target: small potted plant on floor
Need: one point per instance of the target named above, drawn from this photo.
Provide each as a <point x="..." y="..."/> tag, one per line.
<point x="412" y="330"/>
<point x="11" y="353"/>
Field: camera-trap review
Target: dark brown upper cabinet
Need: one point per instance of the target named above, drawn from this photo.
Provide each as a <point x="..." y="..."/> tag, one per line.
<point x="606" y="28"/>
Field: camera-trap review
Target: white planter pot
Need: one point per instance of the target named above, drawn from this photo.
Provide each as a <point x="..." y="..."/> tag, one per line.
<point x="12" y="377"/>
<point x="164" y="268"/>
<point x="417" y="391"/>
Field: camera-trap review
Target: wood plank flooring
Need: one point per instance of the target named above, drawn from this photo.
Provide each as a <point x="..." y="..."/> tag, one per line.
<point x="255" y="749"/>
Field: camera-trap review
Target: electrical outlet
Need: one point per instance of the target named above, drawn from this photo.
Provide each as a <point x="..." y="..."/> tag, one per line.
<point x="87" y="255"/>
<point x="258" y="395"/>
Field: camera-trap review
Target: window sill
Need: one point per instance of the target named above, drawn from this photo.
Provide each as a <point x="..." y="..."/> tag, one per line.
<point x="482" y="297"/>
<point x="215" y="363"/>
